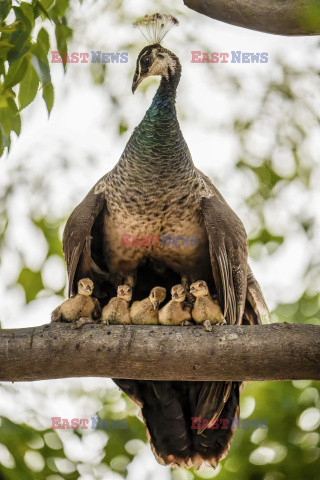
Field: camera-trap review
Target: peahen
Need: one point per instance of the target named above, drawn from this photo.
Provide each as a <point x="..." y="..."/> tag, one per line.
<point x="156" y="190"/>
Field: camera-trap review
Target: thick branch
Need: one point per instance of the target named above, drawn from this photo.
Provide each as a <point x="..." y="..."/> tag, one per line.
<point x="282" y="17"/>
<point x="260" y="352"/>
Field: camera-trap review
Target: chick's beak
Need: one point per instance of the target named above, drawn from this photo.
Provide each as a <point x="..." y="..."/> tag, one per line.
<point x="155" y="304"/>
<point x="175" y="295"/>
<point x="88" y="288"/>
<point x="192" y="289"/>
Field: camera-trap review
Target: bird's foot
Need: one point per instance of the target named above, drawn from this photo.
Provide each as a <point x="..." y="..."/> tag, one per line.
<point x="207" y="325"/>
<point x="185" y="323"/>
<point x="224" y="322"/>
<point x="82" y="321"/>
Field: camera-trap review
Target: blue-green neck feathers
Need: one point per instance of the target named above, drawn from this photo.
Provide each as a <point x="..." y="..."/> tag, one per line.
<point x="157" y="145"/>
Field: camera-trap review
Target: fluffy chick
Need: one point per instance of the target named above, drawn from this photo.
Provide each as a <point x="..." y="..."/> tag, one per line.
<point x="176" y="312"/>
<point x="205" y="310"/>
<point x="116" y="312"/>
<point x="81" y="308"/>
<point x="146" y="312"/>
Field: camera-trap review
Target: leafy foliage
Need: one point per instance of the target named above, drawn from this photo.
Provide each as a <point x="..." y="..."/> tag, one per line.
<point x="24" y="64"/>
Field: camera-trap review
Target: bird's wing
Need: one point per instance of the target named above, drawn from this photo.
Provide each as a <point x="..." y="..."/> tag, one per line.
<point x="77" y="237"/>
<point x="229" y="253"/>
<point x="256" y="310"/>
<point x="211" y="401"/>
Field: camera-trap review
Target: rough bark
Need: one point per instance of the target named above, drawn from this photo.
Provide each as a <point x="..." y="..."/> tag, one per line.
<point x="259" y="352"/>
<point x="281" y="17"/>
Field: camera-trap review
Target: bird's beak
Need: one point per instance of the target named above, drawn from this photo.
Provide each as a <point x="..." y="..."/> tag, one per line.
<point x="192" y="289"/>
<point x="155" y="304"/>
<point x="88" y="289"/>
<point x="175" y="295"/>
<point x="137" y="79"/>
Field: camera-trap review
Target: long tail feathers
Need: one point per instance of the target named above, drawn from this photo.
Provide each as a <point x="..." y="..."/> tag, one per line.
<point x="168" y="408"/>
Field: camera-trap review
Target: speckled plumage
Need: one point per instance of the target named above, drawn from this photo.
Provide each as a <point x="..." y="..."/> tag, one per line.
<point x="155" y="190"/>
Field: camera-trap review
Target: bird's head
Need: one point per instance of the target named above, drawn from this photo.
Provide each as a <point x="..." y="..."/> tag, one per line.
<point x="124" y="292"/>
<point x="156" y="60"/>
<point x="157" y="296"/>
<point x="178" y="293"/>
<point x="85" y="287"/>
<point x="199" y="288"/>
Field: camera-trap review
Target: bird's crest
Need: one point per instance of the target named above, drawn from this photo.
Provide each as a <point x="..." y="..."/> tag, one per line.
<point x="155" y="27"/>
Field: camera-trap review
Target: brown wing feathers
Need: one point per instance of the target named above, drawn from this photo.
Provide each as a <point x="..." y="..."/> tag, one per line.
<point x="77" y="237"/>
<point x="229" y="254"/>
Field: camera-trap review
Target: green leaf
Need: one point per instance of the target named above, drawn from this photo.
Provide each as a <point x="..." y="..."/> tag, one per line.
<point x="24" y="15"/>
<point x="43" y="70"/>
<point x="31" y="282"/>
<point x="63" y="33"/>
<point x="10" y="28"/>
<point x="15" y="117"/>
<point x="61" y="6"/>
<point x="9" y="118"/>
<point x="43" y="40"/>
<point x="46" y="4"/>
<point x="16" y="72"/>
<point x="4" y="48"/>
<point x="48" y="96"/>
<point x="28" y="87"/>
<point x="28" y="13"/>
<point x="40" y="62"/>
<point x="5" y="6"/>
<point x="21" y="42"/>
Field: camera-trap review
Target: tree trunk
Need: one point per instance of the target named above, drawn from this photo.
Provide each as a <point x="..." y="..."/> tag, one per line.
<point x="281" y="17"/>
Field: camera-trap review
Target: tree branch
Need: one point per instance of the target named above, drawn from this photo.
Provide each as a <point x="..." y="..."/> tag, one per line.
<point x="259" y="352"/>
<point x="282" y="17"/>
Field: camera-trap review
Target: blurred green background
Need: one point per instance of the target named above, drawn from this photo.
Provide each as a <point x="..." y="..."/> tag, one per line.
<point x="254" y="129"/>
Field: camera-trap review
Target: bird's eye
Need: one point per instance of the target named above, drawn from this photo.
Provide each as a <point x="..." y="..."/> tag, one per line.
<point x="145" y="61"/>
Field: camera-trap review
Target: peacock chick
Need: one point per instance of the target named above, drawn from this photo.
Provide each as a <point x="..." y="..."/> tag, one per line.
<point x="146" y="312"/>
<point x="177" y="311"/>
<point x="206" y="310"/>
<point x="116" y="312"/>
<point x="81" y="308"/>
